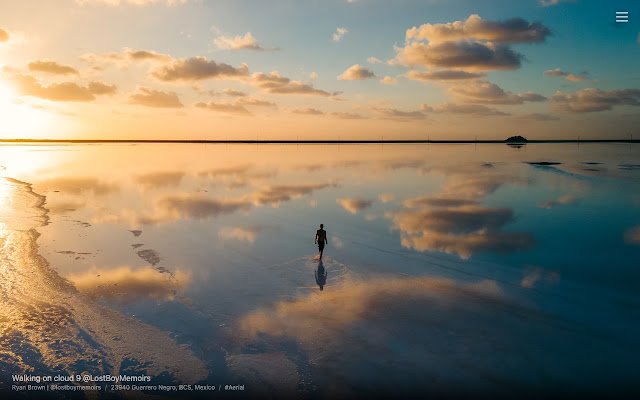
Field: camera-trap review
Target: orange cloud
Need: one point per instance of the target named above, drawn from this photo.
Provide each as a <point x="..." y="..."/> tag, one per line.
<point x="557" y="72"/>
<point x="52" y="67"/>
<point x="328" y="315"/>
<point x="398" y="115"/>
<point x="356" y="72"/>
<point x="474" y="45"/>
<point x="244" y="42"/>
<point x="274" y="82"/>
<point x="246" y="234"/>
<point x="514" y="30"/>
<point x="197" y="68"/>
<point x="77" y="185"/>
<point x="155" y="98"/>
<point x="443" y="75"/>
<point x="307" y="111"/>
<point x="594" y="100"/>
<point x="234" y="93"/>
<point x="469" y="109"/>
<point x="66" y="91"/>
<point x="227" y="108"/>
<point x="354" y="205"/>
<point x="126" y="284"/>
<point x="486" y="92"/>
<point x="160" y="179"/>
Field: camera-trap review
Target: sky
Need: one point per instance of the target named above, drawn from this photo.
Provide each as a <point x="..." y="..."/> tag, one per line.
<point x="336" y="69"/>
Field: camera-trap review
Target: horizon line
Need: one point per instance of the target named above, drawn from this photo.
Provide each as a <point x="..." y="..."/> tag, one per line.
<point x="321" y="141"/>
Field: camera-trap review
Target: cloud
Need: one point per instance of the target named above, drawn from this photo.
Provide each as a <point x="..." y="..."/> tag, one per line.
<point x="354" y="205"/>
<point x="347" y="115"/>
<point x="227" y="108"/>
<point x="126" y="56"/>
<point x="4" y="35"/>
<point x="155" y="98"/>
<point x="632" y="235"/>
<point x="566" y="199"/>
<point x="455" y="222"/>
<point x="386" y="197"/>
<point x="307" y="111"/>
<point x="196" y="69"/>
<point x="126" y="285"/>
<point x="557" y="72"/>
<point x="275" y="195"/>
<point x="472" y="45"/>
<point x="130" y="2"/>
<point x="77" y="185"/>
<point x="356" y="72"/>
<point x="385" y="307"/>
<point x="236" y="176"/>
<point x="237" y="107"/>
<point x="250" y="101"/>
<point x="398" y="115"/>
<point x="389" y="80"/>
<point x="160" y="179"/>
<point x="460" y="230"/>
<point x="374" y="60"/>
<point x="514" y="30"/>
<point x="549" y="3"/>
<point x="246" y="234"/>
<point x="199" y="207"/>
<point x="437" y="202"/>
<point x="470" y="109"/>
<point x="244" y="42"/>
<point x="593" y="100"/>
<point x="538" y="117"/>
<point x="534" y="275"/>
<point x="490" y="93"/>
<point x="443" y="75"/>
<point x="472" y="56"/>
<point x="339" y="34"/>
<point x="273" y="82"/>
<point x="234" y="93"/>
<point x="66" y="91"/>
<point x="313" y="76"/>
<point x="52" y="67"/>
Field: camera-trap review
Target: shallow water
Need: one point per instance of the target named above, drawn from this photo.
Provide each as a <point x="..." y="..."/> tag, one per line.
<point x="457" y="269"/>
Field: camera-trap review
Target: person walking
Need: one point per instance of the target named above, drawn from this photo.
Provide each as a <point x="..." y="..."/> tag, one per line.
<point x="321" y="239"/>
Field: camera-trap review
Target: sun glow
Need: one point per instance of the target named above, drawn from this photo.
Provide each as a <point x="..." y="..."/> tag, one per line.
<point x="20" y="118"/>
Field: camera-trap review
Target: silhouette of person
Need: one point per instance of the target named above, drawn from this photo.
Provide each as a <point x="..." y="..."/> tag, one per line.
<point x="321" y="275"/>
<point x="321" y="239"/>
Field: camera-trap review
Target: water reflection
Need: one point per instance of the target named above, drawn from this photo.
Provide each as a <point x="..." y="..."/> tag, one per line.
<point x="49" y="327"/>
<point x="321" y="275"/>
<point x="454" y="220"/>
<point x="444" y="263"/>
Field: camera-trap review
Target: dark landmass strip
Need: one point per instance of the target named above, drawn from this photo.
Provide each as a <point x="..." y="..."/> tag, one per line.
<point x="516" y="139"/>
<point x="543" y="163"/>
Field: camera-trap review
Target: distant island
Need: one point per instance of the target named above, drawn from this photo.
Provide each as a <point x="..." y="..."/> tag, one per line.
<point x="516" y="139"/>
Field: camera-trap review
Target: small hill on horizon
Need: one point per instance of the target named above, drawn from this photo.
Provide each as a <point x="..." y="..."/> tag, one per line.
<point x="516" y="139"/>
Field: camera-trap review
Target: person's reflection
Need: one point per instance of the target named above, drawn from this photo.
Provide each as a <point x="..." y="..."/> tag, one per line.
<point x="321" y="275"/>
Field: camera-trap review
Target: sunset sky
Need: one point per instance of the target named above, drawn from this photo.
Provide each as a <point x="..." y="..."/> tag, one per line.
<point x="196" y="69"/>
